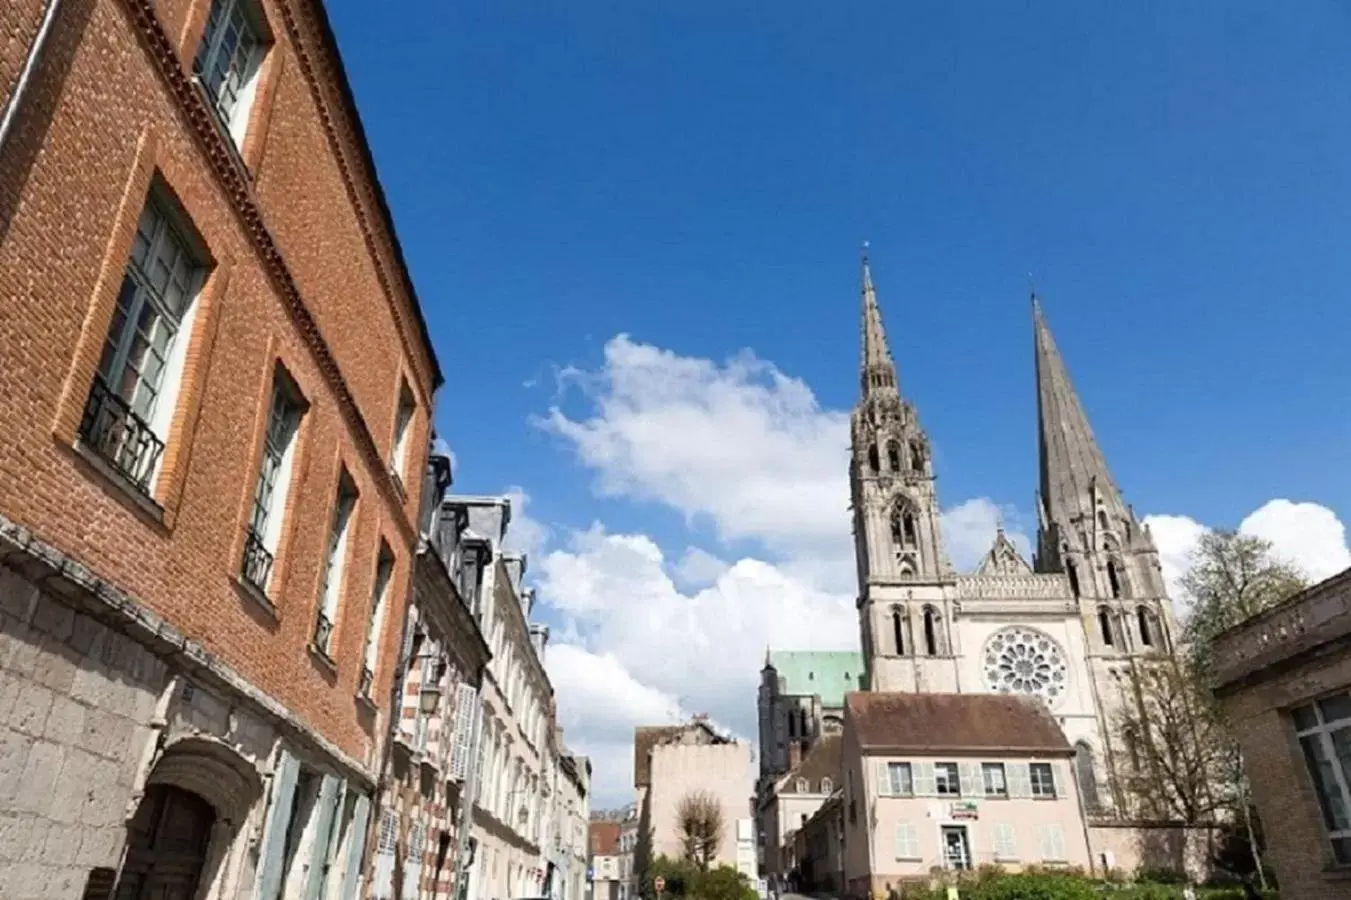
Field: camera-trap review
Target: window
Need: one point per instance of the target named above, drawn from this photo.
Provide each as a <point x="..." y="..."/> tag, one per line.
<point x="403" y="421"/>
<point x="1043" y="780"/>
<point x="334" y="557"/>
<point x="1105" y="626"/>
<point x="907" y="841"/>
<point x="916" y="456"/>
<point x="900" y="779"/>
<point x="956" y="849"/>
<point x="126" y="417"/>
<point x="1073" y="574"/>
<point x="1113" y="578"/>
<point x="274" y="477"/>
<point x="384" y="572"/>
<point x="894" y="456"/>
<point x="947" y="780"/>
<point x="1102" y="520"/>
<point x="792" y="724"/>
<point x="992" y="776"/>
<point x="1324" y="730"/>
<point x="873" y="463"/>
<point x="898" y="631"/>
<point x="802" y="786"/>
<point x="228" y="60"/>
<point x="1052" y="843"/>
<point x="1146" y="623"/>
<point x="930" y="631"/>
<point x="908" y="528"/>
<point x="1084" y="771"/>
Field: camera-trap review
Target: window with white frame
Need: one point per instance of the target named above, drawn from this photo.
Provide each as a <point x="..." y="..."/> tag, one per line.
<point x="947" y="780"/>
<point x="334" y="559"/>
<point x="1053" y="843"/>
<point x="130" y="405"/>
<point x="1043" y="780"/>
<point x="384" y="572"/>
<point x="403" y="421"/>
<point x="992" y="777"/>
<point x="1324" y="731"/>
<point x="900" y="779"/>
<point x="285" y="410"/>
<point x="228" y="60"/>
<point x="1005" y="843"/>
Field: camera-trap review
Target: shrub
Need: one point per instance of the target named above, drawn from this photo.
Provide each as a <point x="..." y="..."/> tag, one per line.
<point x="1160" y="875"/>
<point x="1036" y="886"/>
<point x="722" y="883"/>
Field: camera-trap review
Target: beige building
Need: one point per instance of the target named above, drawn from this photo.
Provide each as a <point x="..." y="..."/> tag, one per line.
<point x="790" y="800"/>
<point x="1284" y="678"/>
<point x="675" y="762"/>
<point x="952" y="781"/>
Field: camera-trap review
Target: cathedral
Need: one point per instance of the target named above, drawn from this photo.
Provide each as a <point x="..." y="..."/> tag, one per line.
<point x="1067" y="626"/>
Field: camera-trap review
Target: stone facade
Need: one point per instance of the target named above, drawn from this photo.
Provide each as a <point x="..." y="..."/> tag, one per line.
<point x="170" y="492"/>
<point x="1284" y="679"/>
<point x="1083" y="616"/>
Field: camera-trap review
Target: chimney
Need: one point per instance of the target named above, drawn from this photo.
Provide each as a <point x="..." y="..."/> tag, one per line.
<point x="539" y="638"/>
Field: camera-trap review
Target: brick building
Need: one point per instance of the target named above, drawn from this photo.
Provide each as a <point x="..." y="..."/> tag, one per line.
<point x="1284" y="679"/>
<point x="217" y="381"/>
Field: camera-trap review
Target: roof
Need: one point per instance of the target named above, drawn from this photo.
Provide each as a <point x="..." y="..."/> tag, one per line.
<point x="645" y="737"/>
<point x="823" y="761"/>
<point x="953" y="723"/>
<point x="828" y="674"/>
<point x="605" y="838"/>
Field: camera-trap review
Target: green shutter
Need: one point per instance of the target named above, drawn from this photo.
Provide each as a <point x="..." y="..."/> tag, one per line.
<point x="330" y="795"/>
<point x="270" y="867"/>
<point x="356" y="848"/>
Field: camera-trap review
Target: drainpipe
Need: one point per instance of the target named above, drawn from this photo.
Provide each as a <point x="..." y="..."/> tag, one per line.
<point x="30" y="65"/>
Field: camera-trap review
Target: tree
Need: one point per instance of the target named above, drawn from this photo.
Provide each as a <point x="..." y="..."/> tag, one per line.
<point x="699" y="821"/>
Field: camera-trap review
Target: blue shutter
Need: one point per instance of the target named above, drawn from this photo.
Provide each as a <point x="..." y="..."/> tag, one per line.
<point x="278" y="819"/>
<point x="356" y="848"/>
<point x="330" y="796"/>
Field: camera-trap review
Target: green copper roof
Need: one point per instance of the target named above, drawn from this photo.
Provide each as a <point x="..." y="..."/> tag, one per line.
<point x="828" y="674"/>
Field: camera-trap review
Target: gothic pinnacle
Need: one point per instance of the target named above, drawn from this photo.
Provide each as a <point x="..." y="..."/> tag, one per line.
<point x="878" y="370"/>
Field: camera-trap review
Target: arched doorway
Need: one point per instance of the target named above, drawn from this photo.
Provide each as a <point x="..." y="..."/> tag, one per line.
<point x="167" y="843"/>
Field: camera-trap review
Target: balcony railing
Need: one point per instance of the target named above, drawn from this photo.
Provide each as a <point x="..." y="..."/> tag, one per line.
<point x="121" y="437"/>
<point x="323" y="630"/>
<point x="257" y="564"/>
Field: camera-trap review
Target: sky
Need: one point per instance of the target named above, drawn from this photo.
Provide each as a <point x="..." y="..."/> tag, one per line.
<point x="635" y="231"/>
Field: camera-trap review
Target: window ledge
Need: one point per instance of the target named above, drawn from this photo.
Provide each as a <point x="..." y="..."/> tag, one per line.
<point x="258" y="597"/>
<point x="235" y="155"/>
<point x="145" y="504"/>
<point x="322" y="659"/>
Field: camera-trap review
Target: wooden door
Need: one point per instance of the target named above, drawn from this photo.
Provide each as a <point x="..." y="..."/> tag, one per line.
<point x="166" y="845"/>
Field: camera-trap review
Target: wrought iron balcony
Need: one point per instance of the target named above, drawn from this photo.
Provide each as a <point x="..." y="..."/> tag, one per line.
<point x="323" y="630"/>
<point x="366" y="683"/>
<point x="257" y="565"/>
<point x="121" y="437"/>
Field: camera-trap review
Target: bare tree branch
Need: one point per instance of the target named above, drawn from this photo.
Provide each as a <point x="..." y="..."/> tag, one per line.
<point x="699" y="820"/>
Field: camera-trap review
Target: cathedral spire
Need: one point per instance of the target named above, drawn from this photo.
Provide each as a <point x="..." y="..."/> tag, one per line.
<point x="1074" y="475"/>
<point x="878" y="371"/>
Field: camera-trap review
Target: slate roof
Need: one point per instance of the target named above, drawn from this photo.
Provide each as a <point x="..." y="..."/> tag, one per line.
<point x="952" y="723"/>
<point x="825" y="674"/>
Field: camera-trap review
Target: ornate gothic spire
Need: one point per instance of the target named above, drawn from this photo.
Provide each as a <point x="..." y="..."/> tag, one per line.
<point x="878" y="369"/>
<point x="1073" y="469"/>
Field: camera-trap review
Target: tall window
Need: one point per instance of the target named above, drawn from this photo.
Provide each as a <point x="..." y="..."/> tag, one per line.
<point x="1324" y="730"/>
<point x="334" y="558"/>
<point x="1105" y="626"/>
<point x="1147" y="623"/>
<point x="930" y="631"/>
<point x="893" y="456"/>
<point x="274" y="477"/>
<point x="992" y="778"/>
<point x="126" y="417"/>
<point x="1088" y="778"/>
<point x="384" y="572"/>
<point x="403" y="421"/>
<point x="908" y="529"/>
<point x="898" y="631"/>
<point x="1073" y="574"/>
<point x="1113" y="578"/>
<point x="900" y="779"/>
<point x="1043" y="780"/>
<point x="947" y="780"/>
<point x="228" y="59"/>
<point x="873" y="463"/>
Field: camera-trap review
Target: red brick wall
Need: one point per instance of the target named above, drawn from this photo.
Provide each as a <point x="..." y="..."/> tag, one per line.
<point x="102" y="120"/>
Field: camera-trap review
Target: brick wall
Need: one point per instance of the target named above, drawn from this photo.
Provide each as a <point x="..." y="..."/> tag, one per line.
<point x="108" y="115"/>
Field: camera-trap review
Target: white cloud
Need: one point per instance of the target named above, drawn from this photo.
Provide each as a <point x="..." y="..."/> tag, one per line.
<point x="969" y="531"/>
<point x="698" y="567"/>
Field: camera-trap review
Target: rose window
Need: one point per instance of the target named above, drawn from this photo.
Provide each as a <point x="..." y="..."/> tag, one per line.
<point x="1023" y="661"/>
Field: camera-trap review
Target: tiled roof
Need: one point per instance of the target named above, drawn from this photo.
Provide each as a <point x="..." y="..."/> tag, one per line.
<point x="605" y="838"/>
<point x="952" y="722"/>
<point x="645" y="737"/>
<point x="822" y="761"/>
<point x="825" y="674"/>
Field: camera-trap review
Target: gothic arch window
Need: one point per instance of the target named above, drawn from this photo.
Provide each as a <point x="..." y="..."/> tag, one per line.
<point x="916" y="456"/>
<point x="1105" y="625"/>
<point x="931" y="631"/>
<point x="908" y="528"/>
<point x="1133" y="748"/>
<point x="1073" y="572"/>
<point x="1086" y="774"/>
<point x="1114" y="578"/>
<point x="1102" y="519"/>
<point x="898" y="630"/>
<point x="896" y="534"/>
<point x="906" y="566"/>
<point x="873" y="464"/>
<point x="826" y="786"/>
<point x="893" y="456"/>
<point x="1150" y="633"/>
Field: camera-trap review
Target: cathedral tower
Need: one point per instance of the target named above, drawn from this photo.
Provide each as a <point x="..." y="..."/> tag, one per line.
<point x="898" y="548"/>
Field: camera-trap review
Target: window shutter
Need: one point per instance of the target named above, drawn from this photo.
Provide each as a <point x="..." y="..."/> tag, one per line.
<point x="1060" y="777"/>
<point x="883" y="779"/>
<point x="466" y="712"/>
<point x="356" y="848"/>
<point x="1019" y="779"/>
<point x="1055" y="843"/>
<point x="283" y="797"/>
<point x="330" y="795"/>
<point x="1005" y="843"/>
<point x="922" y="774"/>
<point x="970" y="779"/>
<point x="907" y="841"/>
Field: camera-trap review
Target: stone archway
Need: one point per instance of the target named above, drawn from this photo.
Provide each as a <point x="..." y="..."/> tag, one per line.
<point x="196" y="796"/>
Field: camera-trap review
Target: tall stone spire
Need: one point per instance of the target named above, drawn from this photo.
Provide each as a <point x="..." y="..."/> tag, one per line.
<point x="1074" y="476"/>
<point x="878" y="370"/>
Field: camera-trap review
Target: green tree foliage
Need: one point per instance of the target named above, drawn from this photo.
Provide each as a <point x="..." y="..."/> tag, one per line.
<point x="687" y="881"/>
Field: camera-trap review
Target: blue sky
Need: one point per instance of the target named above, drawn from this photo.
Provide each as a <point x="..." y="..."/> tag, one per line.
<point x="699" y="176"/>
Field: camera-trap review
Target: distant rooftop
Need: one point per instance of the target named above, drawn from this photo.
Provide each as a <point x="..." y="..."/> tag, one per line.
<point x="828" y="674"/>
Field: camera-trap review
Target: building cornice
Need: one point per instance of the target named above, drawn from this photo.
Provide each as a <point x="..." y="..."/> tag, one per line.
<point x="238" y="189"/>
